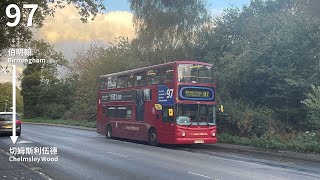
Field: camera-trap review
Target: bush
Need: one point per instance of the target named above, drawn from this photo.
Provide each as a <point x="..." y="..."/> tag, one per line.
<point x="244" y="120"/>
<point x="54" y="111"/>
<point x="81" y="112"/>
<point x="313" y="104"/>
<point x="306" y="142"/>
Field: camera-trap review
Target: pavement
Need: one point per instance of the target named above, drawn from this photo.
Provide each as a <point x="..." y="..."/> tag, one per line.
<point x="15" y="170"/>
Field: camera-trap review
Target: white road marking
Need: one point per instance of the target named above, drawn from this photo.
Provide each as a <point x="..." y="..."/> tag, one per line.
<point x="24" y="142"/>
<point x="208" y="177"/>
<point x="117" y="154"/>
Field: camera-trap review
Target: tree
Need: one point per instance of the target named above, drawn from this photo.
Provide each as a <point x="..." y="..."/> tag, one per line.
<point x="6" y="97"/>
<point x="267" y="54"/>
<point x="40" y="82"/>
<point x="13" y="36"/>
<point x="88" y="66"/>
<point x="167" y="29"/>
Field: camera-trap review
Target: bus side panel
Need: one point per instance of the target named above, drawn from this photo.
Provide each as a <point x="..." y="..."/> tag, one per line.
<point x="130" y="130"/>
<point x="165" y="137"/>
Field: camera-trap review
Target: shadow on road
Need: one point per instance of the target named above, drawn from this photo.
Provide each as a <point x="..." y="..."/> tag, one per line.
<point x="4" y="135"/>
<point x="189" y="147"/>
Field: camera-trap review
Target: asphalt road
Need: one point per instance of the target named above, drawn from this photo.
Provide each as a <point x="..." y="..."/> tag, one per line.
<point x="84" y="154"/>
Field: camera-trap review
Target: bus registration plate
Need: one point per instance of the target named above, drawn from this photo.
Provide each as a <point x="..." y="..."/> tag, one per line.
<point x="199" y="141"/>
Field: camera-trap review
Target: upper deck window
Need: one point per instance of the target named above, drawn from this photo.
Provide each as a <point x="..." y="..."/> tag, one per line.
<point x="130" y="80"/>
<point x="194" y="73"/>
<point x="122" y="82"/>
<point x="140" y="79"/>
<point x="112" y="82"/>
<point x="103" y="83"/>
<point x="167" y="74"/>
<point x="153" y="77"/>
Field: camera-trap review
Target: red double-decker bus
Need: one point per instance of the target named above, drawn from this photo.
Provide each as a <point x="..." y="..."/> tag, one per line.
<point x="171" y="103"/>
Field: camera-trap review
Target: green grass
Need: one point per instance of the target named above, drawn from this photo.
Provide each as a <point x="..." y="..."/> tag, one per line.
<point x="304" y="142"/>
<point x="89" y="124"/>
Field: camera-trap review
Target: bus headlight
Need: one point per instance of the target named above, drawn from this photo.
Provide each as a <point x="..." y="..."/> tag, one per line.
<point x="213" y="133"/>
<point x="183" y="134"/>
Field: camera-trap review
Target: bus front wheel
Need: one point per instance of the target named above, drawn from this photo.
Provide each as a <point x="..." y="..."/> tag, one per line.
<point x="109" y="132"/>
<point x="152" y="137"/>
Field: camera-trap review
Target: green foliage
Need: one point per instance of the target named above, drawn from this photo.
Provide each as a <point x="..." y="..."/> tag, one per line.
<point x="242" y="119"/>
<point x="6" y="98"/>
<point x="49" y="100"/>
<point x="167" y="30"/>
<point x="302" y="142"/>
<point x="44" y="94"/>
<point x="172" y="18"/>
<point x="267" y="54"/>
<point x="82" y="123"/>
<point x="306" y="142"/>
<point x="52" y="110"/>
<point x="88" y="66"/>
<point x="313" y="104"/>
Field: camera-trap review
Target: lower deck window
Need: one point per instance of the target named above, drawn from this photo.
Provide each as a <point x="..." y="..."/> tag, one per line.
<point x="121" y="112"/>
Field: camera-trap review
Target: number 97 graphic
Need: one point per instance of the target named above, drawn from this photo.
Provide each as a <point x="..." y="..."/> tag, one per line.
<point x="17" y="13"/>
<point x="169" y="93"/>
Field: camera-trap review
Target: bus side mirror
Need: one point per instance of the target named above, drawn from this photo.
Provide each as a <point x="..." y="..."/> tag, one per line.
<point x="170" y="112"/>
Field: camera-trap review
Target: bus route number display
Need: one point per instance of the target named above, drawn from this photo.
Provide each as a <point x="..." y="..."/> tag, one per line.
<point x="196" y="93"/>
<point x="13" y="12"/>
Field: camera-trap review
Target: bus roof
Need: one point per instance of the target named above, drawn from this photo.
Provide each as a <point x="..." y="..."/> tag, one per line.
<point x="154" y="66"/>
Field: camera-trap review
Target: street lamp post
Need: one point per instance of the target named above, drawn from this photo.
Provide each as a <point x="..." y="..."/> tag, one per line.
<point x="5" y="107"/>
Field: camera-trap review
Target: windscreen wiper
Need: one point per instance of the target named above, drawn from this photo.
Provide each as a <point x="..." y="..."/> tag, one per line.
<point x="208" y="123"/>
<point x="191" y="123"/>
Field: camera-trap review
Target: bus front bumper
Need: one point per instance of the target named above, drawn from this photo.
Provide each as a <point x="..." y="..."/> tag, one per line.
<point x="184" y="140"/>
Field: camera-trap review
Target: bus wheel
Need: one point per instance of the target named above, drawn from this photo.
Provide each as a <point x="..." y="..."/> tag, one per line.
<point x="152" y="137"/>
<point x="109" y="132"/>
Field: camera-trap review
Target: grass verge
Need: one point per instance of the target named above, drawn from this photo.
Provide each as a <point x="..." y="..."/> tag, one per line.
<point x="89" y="124"/>
<point x="304" y="142"/>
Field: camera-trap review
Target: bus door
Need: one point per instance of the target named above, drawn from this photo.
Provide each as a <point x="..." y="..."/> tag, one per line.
<point x="166" y="100"/>
<point x="166" y="128"/>
<point x="139" y="115"/>
<point x="140" y="105"/>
